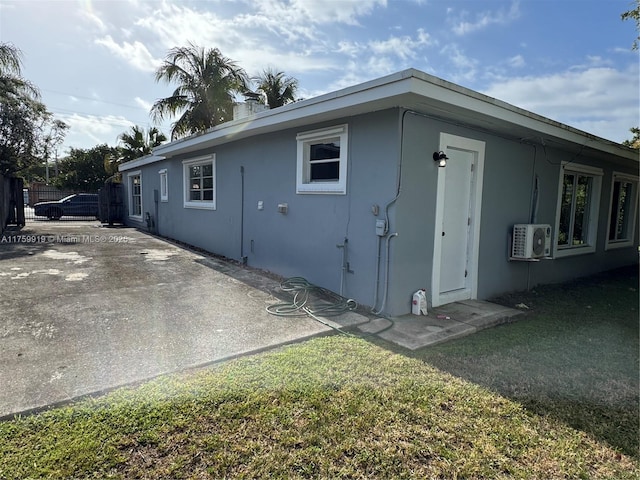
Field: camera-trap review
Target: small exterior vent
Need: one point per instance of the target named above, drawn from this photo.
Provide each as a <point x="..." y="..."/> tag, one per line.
<point x="531" y="241"/>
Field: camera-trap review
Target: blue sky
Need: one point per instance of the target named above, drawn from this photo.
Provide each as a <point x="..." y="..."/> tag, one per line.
<point x="94" y="61"/>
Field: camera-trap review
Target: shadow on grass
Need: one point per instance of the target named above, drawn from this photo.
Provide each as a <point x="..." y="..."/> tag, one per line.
<point x="574" y="356"/>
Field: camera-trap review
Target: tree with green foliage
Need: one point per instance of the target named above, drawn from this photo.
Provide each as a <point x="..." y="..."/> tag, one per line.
<point x="83" y="169"/>
<point x="276" y="88"/>
<point x="634" y="14"/>
<point x="11" y="82"/>
<point x="20" y="133"/>
<point x="137" y="142"/>
<point x="24" y="120"/>
<point x="635" y="141"/>
<point x="21" y="113"/>
<point x="133" y="144"/>
<point x="207" y="82"/>
<point x="55" y="137"/>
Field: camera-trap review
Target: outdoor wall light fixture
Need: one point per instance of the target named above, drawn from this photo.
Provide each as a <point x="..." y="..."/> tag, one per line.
<point x="441" y="158"/>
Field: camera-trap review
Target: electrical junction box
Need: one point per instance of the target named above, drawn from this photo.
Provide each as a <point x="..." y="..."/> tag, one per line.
<point x="381" y="228"/>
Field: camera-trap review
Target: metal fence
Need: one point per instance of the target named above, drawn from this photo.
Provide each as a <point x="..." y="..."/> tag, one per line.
<point x="46" y="203"/>
<point x="11" y="202"/>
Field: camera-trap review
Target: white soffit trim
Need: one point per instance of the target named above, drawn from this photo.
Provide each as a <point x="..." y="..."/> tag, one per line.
<point x="139" y="162"/>
<point x="411" y="89"/>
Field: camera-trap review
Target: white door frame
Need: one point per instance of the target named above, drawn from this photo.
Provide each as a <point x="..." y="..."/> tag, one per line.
<point x="476" y="147"/>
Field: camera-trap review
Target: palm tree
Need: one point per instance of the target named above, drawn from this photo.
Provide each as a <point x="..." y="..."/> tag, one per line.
<point x="10" y="58"/>
<point x="207" y="82"/>
<point x="22" y="115"/>
<point x="133" y="144"/>
<point x="12" y="85"/>
<point x="277" y="89"/>
<point x="138" y="143"/>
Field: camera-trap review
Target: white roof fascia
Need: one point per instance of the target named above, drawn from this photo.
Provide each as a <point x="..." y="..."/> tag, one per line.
<point x="408" y="89"/>
<point x="139" y="162"/>
<point x="291" y="114"/>
<point x="453" y="94"/>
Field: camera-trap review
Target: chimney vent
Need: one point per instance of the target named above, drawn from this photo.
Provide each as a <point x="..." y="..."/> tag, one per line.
<point x="250" y="106"/>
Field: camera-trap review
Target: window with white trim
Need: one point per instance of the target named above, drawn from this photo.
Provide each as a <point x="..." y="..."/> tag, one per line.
<point x="322" y="161"/>
<point x="578" y="204"/>
<point x="199" y="182"/>
<point x="164" y="186"/>
<point x="135" y="194"/>
<point x="622" y="210"/>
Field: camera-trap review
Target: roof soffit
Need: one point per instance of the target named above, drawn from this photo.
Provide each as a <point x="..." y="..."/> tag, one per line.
<point x="409" y="89"/>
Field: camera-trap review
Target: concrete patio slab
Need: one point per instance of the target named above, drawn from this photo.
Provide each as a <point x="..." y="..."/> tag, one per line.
<point x="442" y="324"/>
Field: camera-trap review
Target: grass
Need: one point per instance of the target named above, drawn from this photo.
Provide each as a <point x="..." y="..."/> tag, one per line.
<point x="575" y="356"/>
<point x="343" y="407"/>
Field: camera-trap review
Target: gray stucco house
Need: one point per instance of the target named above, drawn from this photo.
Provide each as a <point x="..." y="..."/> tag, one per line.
<point x="397" y="184"/>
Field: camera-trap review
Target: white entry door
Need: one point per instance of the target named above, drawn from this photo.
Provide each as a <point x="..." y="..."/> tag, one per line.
<point x="457" y="229"/>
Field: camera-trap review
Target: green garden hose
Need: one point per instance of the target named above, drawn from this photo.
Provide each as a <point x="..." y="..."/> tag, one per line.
<point x="311" y="300"/>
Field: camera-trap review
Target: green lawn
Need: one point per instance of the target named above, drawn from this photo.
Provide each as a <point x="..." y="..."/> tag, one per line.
<point x="574" y="357"/>
<point x="495" y="405"/>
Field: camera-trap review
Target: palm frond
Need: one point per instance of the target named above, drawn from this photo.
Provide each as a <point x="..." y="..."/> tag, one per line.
<point x="277" y="88"/>
<point x="206" y="82"/>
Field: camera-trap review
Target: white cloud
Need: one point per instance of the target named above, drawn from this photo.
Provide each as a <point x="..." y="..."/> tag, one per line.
<point x="516" y="61"/>
<point x="143" y="103"/>
<point x="353" y="74"/>
<point x="466" y="67"/>
<point x="176" y="25"/>
<point x="483" y="20"/>
<point x="317" y="12"/>
<point x="376" y="58"/>
<point x="248" y="39"/>
<point x="291" y="35"/>
<point x="135" y="54"/>
<point x="602" y="101"/>
<point x="351" y="49"/>
<point x="94" y="20"/>
<point x="593" y="61"/>
<point x="93" y="129"/>
<point x="404" y="47"/>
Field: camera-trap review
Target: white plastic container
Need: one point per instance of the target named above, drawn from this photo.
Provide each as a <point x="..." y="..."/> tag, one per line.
<point x="419" y="302"/>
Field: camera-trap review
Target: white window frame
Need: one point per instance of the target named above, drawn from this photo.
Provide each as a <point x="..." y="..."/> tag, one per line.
<point x="594" y="210"/>
<point x="303" y="171"/>
<point x="186" y="164"/>
<point x="164" y="185"/>
<point x="130" y="176"/>
<point x="632" y="213"/>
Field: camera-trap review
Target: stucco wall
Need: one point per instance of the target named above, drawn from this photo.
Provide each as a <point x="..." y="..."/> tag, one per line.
<point x="508" y="182"/>
<point x="510" y="170"/>
<point x="413" y="213"/>
<point x="304" y="241"/>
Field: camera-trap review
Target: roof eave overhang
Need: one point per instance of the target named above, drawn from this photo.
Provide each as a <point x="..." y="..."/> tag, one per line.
<point x="409" y="89"/>
<point x="140" y="162"/>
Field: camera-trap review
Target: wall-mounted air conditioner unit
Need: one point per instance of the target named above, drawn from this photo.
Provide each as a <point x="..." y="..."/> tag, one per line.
<point x="531" y="241"/>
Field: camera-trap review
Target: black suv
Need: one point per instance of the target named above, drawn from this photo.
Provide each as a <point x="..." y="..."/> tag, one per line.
<point x="76" y="205"/>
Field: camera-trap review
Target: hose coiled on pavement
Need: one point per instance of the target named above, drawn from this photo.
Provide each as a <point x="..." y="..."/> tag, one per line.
<point x="311" y="300"/>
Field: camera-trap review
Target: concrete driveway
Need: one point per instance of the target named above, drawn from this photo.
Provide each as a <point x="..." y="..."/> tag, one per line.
<point x="85" y="308"/>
